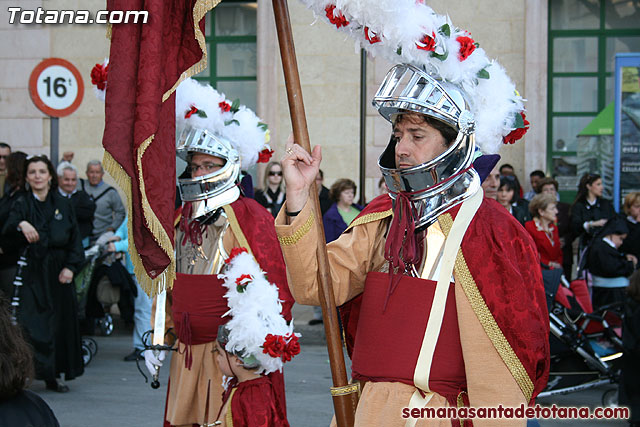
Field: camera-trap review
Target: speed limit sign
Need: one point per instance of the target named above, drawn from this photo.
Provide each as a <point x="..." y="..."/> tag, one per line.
<point x="56" y="87"/>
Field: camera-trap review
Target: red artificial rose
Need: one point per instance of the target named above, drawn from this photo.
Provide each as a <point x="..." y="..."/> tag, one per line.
<point x="371" y="36"/>
<point x="235" y="252"/>
<point x="428" y="42"/>
<point x="265" y="155"/>
<point x="225" y="106"/>
<point x="274" y="345"/>
<point x="338" y="21"/>
<point x="518" y="133"/>
<point x="467" y="46"/>
<point x="292" y="348"/>
<point x="99" y="76"/>
<point x="191" y="112"/>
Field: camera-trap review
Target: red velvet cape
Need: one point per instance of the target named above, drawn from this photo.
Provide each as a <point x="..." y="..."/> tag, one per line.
<point x="504" y="263"/>
<point x="254" y="404"/>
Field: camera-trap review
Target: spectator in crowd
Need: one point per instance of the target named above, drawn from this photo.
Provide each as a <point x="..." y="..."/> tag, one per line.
<point x="589" y="212"/>
<point x="5" y="151"/>
<point x="142" y="302"/>
<point x="83" y="204"/>
<point x="382" y="187"/>
<point x="629" y="390"/>
<point x="491" y="183"/>
<point x="44" y="223"/>
<point x="271" y="196"/>
<point x="342" y="211"/>
<point x="507" y="170"/>
<point x="18" y="406"/>
<point x="9" y="249"/>
<point x="544" y="230"/>
<point x="323" y="193"/>
<point x="534" y="179"/>
<point x="550" y="186"/>
<point x="110" y="211"/>
<point x="508" y="195"/>
<point x="67" y="156"/>
<point x="609" y="267"/>
<point x="631" y="208"/>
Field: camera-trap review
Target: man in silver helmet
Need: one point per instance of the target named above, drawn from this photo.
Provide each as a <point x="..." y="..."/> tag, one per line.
<point x="214" y="221"/>
<point x="440" y="290"/>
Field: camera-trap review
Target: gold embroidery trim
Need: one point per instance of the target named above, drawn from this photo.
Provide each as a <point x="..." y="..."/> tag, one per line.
<point x="200" y="9"/>
<point x="346" y="389"/>
<point x="299" y="234"/>
<point x="374" y="216"/>
<point x="229" y="417"/>
<point x="235" y="227"/>
<point x="486" y="319"/>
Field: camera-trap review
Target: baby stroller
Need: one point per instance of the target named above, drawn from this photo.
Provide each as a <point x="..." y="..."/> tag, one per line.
<point x="585" y="345"/>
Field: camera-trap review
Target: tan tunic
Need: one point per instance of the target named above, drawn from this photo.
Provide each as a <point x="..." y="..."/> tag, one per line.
<point x="188" y="387"/>
<point x="357" y="252"/>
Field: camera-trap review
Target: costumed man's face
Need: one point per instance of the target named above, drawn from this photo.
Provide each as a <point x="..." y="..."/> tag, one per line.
<point x="204" y="164"/>
<point x="417" y="142"/>
<point x="95" y="174"/>
<point x="491" y="184"/>
<point x="68" y="181"/>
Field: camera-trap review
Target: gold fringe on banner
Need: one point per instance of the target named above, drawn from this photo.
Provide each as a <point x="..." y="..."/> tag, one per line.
<point x="200" y="9"/>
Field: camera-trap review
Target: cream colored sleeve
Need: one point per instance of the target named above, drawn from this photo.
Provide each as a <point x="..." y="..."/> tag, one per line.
<point x="351" y="257"/>
<point x="489" y="381"/>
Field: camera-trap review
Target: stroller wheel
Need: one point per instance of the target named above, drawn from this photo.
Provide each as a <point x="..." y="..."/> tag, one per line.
<point x="106" y="325"/>
<point x="91" y="343"/>
<point x="86" y="354"/>
<point x="610" y="398"/>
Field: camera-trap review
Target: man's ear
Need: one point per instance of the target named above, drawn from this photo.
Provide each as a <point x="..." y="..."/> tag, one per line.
<point x="236" y="361"/>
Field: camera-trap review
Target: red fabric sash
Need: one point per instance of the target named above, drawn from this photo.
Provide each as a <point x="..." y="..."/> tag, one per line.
<point x="388" y="341"/>
<point x="197" y="319"/>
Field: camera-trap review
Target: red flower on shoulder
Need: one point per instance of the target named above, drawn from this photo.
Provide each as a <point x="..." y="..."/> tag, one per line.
<point x="291" y="349"/>
<point x="428" y="42"/>
<point x="224" y="106"/>
<point x="339" y="20"/>
<point x="191" y="112"/>
<point x="274" y="345"/>
<point x="235" y="252"/>
<point x="265" y="155"/>
<point x="467" y="46"/>
<point x="99" y="76"/>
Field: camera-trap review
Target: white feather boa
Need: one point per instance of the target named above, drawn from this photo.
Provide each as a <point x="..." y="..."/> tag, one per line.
<point x="255" y="312"/>
<point x="397" y="28"/>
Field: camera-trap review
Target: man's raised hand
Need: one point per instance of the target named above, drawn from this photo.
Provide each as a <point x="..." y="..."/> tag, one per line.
<point x="300" y="169"/>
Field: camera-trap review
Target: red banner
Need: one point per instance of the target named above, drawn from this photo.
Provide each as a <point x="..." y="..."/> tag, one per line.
<point x="147" y="61"/>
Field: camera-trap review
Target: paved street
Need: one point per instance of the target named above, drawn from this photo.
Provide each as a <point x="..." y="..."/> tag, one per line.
<point x="113" y="393"/>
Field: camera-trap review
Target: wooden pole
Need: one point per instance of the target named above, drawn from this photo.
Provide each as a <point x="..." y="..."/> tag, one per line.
<point x="344" y="403"/>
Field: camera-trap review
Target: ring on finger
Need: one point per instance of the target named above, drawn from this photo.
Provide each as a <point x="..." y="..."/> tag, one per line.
<point x="289" y="151"/>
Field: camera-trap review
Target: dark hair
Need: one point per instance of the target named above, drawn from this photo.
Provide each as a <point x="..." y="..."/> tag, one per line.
<point x="321" y="173"/>
<point x="583" y="191"/>
<point x="506" y="165"/>
<point x="5" y="145"/>
<point x="50" y="168"/>
<point x="449" y="133"/>
<point x="16" y="362"/>
<point x="633" y="290"/>
<point x="547" y="181"/>
<point x="537" y="173"/>
<point x="15" y="170"/>
<point x="339" y="186"/>
<point x="510" y="182"/>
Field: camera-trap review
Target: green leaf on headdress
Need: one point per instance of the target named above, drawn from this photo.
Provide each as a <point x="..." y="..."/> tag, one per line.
<point x="202" y="114"/>
<point x="483" y="74"/>
<point x="235" y="106"/>
<point x="519" y="122"/>
<point x="399" y="51"/>
<point x="440" y="57"/>
<point x="476" y="44"/>
<point x="446" y="30"/>
<point x="263" y="126"/>
<point x="231" y="122"/>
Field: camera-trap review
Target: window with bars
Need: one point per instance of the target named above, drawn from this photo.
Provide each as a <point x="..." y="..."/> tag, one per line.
<point x="584" y="36"/>
<point x="231" y="35"/>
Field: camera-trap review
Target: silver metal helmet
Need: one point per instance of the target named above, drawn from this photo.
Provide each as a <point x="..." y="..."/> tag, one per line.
<point x="212" y="191"/>
<point x="447" y="180"/>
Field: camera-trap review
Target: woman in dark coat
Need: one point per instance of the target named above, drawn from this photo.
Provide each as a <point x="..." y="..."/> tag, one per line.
<point x="45" y="224"/>
<point x="631" y="208"/>
<point x="271" y="196"/>
<point x="589" y="212"/>
<point x="343" y="210"/>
